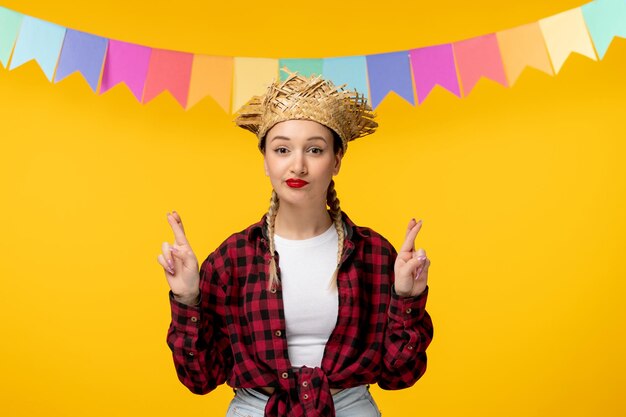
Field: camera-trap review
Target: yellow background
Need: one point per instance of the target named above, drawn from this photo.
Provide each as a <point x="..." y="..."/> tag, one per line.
<point x="522" y="193"/>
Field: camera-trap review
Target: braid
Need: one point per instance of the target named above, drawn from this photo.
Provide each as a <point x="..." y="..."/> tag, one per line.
<point x="271" y="219"/>
<point x="335" y="213"/>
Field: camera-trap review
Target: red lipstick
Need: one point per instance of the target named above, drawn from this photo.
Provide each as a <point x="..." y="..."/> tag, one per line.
<point x="296" y="183"/>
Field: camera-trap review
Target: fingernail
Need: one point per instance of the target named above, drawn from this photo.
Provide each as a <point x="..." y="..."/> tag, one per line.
<point x="421" y="258"/>
<point x="169" y="262"/>
<point x="419" y="271"/>
<point x="171" y="270"/>
<point x="173" y="249"/>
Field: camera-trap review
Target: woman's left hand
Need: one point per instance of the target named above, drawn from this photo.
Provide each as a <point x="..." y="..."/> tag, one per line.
<point x="411" y="267"/>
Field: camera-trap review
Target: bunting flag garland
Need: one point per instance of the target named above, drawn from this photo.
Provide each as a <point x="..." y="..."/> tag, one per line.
<point x="306" y="67"/>
<point x="127" y="63"/>
<point x="82" y="52"/>
<point x="189" y="77"/>
<point x="10" y="23"/>
<point x="478" y="57"/>
<point x="389" y="72"/>
<point x="350" y="70"/>
<point x="565" y="33"/>
<point x="431" y="66"/>
<point x="605" y="19"/>
<point x="211" y="76"/>
<point x="168" y="70"/>
<point x="252" y="76"/>
<point x="38" y="40"/>
<point x="523" y="47"/>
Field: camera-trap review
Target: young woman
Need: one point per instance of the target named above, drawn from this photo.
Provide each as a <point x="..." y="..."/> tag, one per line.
<point x="302" y="310"/>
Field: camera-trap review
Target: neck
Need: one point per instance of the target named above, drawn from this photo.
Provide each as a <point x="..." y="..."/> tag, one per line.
<point x="301" y="223"/>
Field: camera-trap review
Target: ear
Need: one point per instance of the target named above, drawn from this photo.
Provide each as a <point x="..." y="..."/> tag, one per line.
<point x="338" y="158"/>
<point x="267" y="172"/>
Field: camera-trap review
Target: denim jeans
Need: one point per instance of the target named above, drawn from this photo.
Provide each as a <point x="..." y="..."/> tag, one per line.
<point x="350" y="402"/>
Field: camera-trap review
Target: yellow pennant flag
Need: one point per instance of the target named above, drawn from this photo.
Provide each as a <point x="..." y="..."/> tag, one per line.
<point x="565" y="33"/>
<point x="252" y="77"/>
<point x="523" y="47"/>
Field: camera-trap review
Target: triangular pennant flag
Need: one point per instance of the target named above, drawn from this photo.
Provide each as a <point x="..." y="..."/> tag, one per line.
<point x="565" y="33"/>
<point x="390" y="72"/>
<point x="38" y="40"/>
<point x="350" y="70"/>
<point x="252" y="77"/>
<point x="168" y="70"/>
<point x="82" y="52"/>
<point x="127" y="63"/>
<point x="304" y="66"/>
<point x="211" y="76"/>
<point x="521" y="47"/>
<point x="10" y="22"/>
<point x="434" y="65"/>
<point x="478" y="57"/>
<point x="605" y="19"/>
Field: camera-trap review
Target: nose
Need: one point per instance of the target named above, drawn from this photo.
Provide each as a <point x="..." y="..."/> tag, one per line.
<point x="298" y="165"/>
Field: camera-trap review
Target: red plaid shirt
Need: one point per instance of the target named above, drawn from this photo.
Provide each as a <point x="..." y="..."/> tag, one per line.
<point x="237" y="333"/>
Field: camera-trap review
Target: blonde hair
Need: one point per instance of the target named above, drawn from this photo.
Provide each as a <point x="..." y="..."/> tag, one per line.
<point x="335" y="213"/>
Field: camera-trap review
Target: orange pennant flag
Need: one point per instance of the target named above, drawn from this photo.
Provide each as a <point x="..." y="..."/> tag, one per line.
<point x="478" y="57"/>
<point x="211" y="76"/>
<point x="521" y="47"/>
<point x="168" y="70"/>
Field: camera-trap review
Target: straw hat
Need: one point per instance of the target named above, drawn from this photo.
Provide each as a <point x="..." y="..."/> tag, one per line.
<point x="311" y="98"/>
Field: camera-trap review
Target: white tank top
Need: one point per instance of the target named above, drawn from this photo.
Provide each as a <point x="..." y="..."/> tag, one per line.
<point x="311" y="303"/>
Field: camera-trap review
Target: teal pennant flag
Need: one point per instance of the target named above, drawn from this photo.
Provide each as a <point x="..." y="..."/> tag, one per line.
<point x="605" y="19"/>
<point x="350" y="70"/>
<point x="304" y="66"/>
<point x="41" y="41"/>
<point x="9" y="26"/>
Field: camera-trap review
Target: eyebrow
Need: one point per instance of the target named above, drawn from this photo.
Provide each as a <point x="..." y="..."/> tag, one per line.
<point x="286" y="138"/>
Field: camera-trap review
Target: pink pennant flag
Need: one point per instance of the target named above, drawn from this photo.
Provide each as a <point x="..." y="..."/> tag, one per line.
<point x="479" y="57"/>
<point x="434" y="65"/>
<point x="127" y="63"/>
<point x="168" y="70"/>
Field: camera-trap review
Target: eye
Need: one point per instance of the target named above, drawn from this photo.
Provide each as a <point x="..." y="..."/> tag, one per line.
<point x="316" y="150"/>
<point x="281" y="150"/>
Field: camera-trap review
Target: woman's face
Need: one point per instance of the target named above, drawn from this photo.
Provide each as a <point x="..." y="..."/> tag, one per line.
<point x="300" y="161"/>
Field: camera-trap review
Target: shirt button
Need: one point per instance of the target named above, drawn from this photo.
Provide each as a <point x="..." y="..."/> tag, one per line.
<point x="194" y="319"/>
<point x="305" y="384"/>
<point x="284" y="375"/>
<point x="408" y="310"/>
<point x="410" y="347"/>
<point x="278" y="333"/>
<point x="273" y="290"/>
<point x="190" y="354"/>
<point x="305" y="396"/>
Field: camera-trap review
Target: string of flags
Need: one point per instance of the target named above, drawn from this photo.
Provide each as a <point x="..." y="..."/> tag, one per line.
<point x="229" y="80"/>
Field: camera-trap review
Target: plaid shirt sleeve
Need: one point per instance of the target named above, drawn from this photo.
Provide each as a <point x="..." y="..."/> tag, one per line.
<point x="197" y="337"/>
<point x="408" y="333"/>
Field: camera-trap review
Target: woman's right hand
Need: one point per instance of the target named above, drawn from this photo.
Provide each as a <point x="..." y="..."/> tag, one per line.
<point x="180" y="264"/>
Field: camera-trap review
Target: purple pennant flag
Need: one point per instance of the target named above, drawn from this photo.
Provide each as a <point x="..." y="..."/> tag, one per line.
<point x="128" y="63"/>
<point x="390" y="72"/>
<point x="82" y="52"/>
<point x="431" y="66"/>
